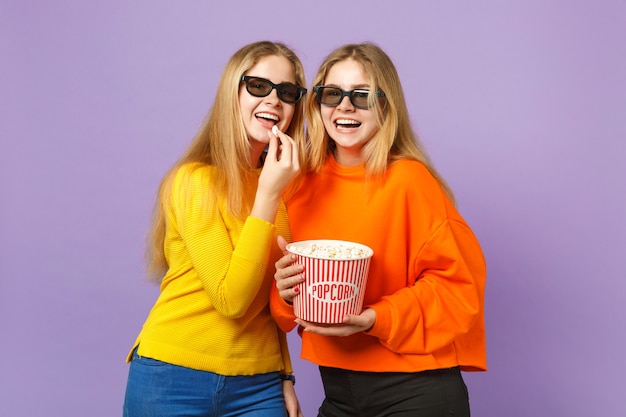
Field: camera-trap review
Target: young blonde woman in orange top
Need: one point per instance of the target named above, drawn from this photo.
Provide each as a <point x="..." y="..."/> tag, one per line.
<point x="368" y="180"/>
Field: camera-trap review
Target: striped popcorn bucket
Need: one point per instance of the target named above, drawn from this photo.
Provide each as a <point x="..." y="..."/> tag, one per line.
<point x="335" y="279"/>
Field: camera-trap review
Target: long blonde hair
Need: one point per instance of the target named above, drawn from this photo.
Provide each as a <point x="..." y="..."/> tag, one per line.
<point x="222" y="142"/>
<point x="394" y="140"/>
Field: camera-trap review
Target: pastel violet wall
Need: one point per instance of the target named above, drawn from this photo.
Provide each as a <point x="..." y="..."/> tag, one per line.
<point x="521" y="104"/>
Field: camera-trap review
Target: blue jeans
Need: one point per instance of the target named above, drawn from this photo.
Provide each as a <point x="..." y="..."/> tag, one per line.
<point x="159" y="389"/>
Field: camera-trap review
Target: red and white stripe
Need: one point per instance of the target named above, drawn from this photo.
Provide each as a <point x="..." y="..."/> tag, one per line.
<point x="332" y="289"/>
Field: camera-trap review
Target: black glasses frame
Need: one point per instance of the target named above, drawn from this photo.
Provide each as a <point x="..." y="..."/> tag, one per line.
<point x="350" y="94"/>
<point x="300" y="91"/>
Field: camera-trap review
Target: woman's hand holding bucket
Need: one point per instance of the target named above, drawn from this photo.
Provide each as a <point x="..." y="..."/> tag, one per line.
<point x="289" y="274"/>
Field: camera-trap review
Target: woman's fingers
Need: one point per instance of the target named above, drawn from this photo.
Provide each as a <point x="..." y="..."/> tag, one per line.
<point x="288" y="277"/>
<point x="278" y="168"/>
<point x="282" y="244"/>
<point x="272" y="149"/>
<point x="288" y="149"/>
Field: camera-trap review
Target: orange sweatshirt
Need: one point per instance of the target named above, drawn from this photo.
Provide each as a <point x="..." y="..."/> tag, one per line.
<point x="427" y="276"/>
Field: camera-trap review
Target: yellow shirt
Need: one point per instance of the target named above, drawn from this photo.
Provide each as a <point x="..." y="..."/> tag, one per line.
<point x="212" y="313"/>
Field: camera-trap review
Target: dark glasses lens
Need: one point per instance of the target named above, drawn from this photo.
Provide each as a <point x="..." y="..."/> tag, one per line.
<point x="332" y="96"/>
<point x="260" y="87"/>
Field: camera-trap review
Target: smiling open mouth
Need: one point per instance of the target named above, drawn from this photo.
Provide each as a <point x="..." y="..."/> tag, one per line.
<point x="346" y="123"/>
<point x="267" y="116"/>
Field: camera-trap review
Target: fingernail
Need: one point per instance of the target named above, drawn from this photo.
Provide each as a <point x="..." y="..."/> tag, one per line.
<point x="296" y="289"/>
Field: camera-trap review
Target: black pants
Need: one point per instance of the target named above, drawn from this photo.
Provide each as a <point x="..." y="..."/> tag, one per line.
<point x="436" y="393"/>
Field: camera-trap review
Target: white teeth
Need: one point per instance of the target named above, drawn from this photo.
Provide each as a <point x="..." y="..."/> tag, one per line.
<point x="347" y="122"/>
<point x="267" y="116"/>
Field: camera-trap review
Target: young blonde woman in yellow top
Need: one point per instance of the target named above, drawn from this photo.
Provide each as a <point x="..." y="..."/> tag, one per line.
<point x="209" y="346"/>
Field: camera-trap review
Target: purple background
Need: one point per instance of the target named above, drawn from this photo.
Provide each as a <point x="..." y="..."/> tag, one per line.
<point x="522" y="105"/>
